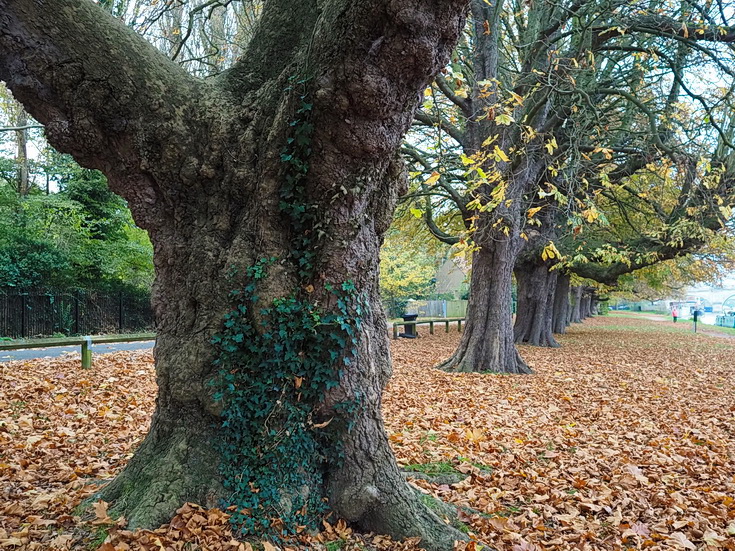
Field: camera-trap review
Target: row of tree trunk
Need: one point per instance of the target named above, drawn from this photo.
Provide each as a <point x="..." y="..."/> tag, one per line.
<point x="548" y="304"/>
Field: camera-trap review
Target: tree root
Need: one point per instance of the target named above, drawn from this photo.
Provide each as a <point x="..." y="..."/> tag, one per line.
<point x="446" y="511"/>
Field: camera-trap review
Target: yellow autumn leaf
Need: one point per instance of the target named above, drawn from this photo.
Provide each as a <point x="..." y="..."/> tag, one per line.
<point x="433" y="178"/>
<point x="489" y="140"/>
<point x="475" y="435"/>
<point x="550" y="251"/>
<point x="590" y="215"/>
<point x="551" y="145"/>
<point x="500" y="155"/>
<point x="504" y="119"/>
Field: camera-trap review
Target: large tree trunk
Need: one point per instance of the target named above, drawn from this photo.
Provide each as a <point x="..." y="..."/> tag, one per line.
<point x="277" y="179"/>
<point x="536" y="286"/>
<point x="561" y="316"/>
<point x="182" y="457"/>
<point x="487" y="340"/>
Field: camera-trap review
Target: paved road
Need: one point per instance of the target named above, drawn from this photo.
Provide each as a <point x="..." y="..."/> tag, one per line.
<point x="31" y="353"/>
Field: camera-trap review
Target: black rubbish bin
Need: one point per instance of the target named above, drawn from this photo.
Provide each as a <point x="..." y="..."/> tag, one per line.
<point x="409" y="331"/>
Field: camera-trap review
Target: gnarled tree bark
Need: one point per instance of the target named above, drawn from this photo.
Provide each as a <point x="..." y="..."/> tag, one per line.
<point x="200" y="165"/>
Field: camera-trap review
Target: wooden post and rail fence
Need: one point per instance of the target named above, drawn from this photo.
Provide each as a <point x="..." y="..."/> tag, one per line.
<point x="87" y="343"/>
<point x="430" y="322"/>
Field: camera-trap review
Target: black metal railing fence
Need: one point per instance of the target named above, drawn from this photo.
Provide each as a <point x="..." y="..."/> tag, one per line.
<point x="43" y="313"/>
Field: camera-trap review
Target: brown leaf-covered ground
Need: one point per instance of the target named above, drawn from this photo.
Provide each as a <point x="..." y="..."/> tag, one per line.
<point x="623" y="438"/>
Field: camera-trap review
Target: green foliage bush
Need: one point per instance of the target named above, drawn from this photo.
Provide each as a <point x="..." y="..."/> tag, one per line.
<point x="81" y="237"/>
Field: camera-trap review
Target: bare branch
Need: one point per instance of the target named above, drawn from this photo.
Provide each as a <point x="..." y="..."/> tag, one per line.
<point x="462" y="103"/>
<point x="440" y="122"/>
<point x="16" y="128"/>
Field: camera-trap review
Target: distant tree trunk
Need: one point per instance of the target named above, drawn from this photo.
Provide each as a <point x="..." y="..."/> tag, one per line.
<point x="21" y="158"/>
<point x="283" y="168"/>
<point x="561" y="315"/>
<point x="487" y="339"/>
<point x="577" y="304"/>
<point x="536" y="286"/>
<point x="585" y="306"/>
<point x="570" y="310"/>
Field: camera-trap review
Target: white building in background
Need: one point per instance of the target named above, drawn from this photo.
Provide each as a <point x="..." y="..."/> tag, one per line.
<point x="711" y="300"/>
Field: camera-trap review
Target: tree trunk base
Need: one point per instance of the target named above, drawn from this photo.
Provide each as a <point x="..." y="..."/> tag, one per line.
<point x="460" y="363"/>
<point x="546" y="341"/>
<point x="178" y="462"/>
<point x="487" y="340"/>
<point x="174" y="465"/>
<point x="536" y="287"/>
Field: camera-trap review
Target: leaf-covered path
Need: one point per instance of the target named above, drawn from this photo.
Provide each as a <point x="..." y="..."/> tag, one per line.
<point x="625" y="437"/>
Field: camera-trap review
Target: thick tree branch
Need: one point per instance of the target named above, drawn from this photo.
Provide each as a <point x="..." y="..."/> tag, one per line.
<point x="462" y="103"/>
<point x="103" y="93"/>
<point x="435" y="230"/>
